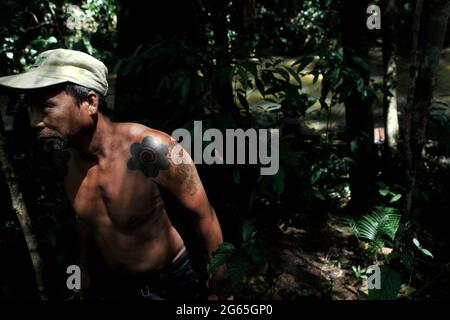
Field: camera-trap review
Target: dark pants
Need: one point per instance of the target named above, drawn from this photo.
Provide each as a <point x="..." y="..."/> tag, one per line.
<point x="176" y="281"/>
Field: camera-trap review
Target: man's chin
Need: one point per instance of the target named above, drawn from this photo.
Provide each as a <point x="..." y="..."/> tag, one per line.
<point x="52" y="143"/>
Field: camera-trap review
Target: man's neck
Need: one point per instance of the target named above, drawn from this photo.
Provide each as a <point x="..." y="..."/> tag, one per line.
<point x="96" y="143"/>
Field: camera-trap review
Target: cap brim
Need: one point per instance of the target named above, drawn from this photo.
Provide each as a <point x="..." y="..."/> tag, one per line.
<point x="29" y="80"/>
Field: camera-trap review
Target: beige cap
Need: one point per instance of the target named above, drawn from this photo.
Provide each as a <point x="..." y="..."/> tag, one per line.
<point x="58" y="66"/>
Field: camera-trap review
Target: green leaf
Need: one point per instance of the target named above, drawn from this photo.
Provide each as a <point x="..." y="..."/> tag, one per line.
<point x="354" y="146"/>
<point x="316" y="77"/>
<point x="217" y="260"/>
<point x="323" y="104"/>
<point x="221" y="255"/>
<point x="303" y="62"/>
<point x="422" y="249"/>
<point x="363" y="64"/>
<point x="243" y="79"/>
<point x="236" y="269"/>
<point x="426" y="252"/>
<point x="243" y="100"/>
<point x="316" y="176"/>
<point x="376" y="225"/>
<point x="326" y="87"/>
<point x="395" y="198"/>
<point x="226" y="247"/>
<point x="392" y="256"/>
<point x="295" y="75"/>
<point x="178" y="81"/>
<point x="273" y="90"/>
<point x="260" y="86"/>
<point x="283" y="73"/>
<point x="384" y="191"/>
<point x="319" y="195"/>
<point x="390" y="285"/>
<point x="349" y="160"/>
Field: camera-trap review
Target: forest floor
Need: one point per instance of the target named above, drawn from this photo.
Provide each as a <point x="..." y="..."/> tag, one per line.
<point x="330" y="263"/>
<point x="310" y="263"/>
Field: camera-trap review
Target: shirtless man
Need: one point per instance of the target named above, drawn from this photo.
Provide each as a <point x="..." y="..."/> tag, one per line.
<point x="114" y="175"/>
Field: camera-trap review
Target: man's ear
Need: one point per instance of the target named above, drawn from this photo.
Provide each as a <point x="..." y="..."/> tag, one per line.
<point x="92" y="100"/>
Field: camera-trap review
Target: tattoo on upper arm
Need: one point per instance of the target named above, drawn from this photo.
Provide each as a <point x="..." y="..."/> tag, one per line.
<point x="187" y="175"/>
<point x="148" y="156"/>
<point x="185" y="172"/>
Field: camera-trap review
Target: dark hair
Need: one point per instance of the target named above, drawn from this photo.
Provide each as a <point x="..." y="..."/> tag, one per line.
<point x="80" y="94"/>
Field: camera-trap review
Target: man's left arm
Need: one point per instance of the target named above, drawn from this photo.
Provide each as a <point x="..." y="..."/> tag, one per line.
<point x="182" y="180"/>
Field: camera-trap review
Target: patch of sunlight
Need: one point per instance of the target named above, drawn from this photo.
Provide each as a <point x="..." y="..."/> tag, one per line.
<point x="308" y="87"/>
<point x="311" y="88"/>
<point x="320" y="126"/>
<point x="316" y="119"/>
<point x="254" y="96"/>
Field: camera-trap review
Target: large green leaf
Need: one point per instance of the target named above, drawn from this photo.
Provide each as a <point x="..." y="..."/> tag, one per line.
<point x="260" y="86"/>
<point x="303" y="62"/>
<point x="390" y="285"/>
<point x="221" y="256"/>
<point x="377" y="225"/>
<point x="236" y="269"/>
<point x="295" y="75"/>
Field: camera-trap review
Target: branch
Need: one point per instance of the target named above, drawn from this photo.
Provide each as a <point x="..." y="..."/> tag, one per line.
<point x="20" y="209"/>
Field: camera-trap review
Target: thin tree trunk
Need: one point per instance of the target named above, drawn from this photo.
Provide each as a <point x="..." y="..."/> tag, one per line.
<point x="434" y="37"/>
<point x="408" y="157"/>
<point x="221" y="87"/>
<point x="390" y="39"/>
<point x="20" y="209"/>
<point x="392" y="125"/>
<point x="246" y="15"/>
<point x="422" y="84"/>
<point x="358" y="111"/>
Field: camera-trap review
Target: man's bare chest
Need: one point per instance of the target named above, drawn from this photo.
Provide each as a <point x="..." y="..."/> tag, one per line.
<point x="111" y="194"/>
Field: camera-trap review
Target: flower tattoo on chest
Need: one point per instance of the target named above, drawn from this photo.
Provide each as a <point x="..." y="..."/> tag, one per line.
<point x="149" y="156"/>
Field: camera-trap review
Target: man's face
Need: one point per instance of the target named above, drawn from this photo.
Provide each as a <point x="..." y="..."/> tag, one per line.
<point x="55" y="115"/>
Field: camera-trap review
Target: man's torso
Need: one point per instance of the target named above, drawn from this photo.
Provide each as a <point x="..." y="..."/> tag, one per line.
<point x="123" y="209"/>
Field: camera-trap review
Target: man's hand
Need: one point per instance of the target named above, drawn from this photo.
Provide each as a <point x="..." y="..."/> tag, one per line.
<point x="219" y="285"/>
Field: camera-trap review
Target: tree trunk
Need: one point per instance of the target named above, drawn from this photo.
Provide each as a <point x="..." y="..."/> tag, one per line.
<point x="422" y="83"/>
<point x="20" y="209"/>
<point x="245" y="16"/>
<point x="221" y="87"/>
<point x="358" y="111"/>
<point x="390" y="38"/>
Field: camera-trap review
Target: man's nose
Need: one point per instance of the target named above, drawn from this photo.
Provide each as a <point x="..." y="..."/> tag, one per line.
<point x="36" y="120"/>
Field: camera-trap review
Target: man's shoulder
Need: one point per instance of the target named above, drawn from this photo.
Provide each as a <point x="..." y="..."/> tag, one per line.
<point x="138" y="138"/>
<point x="149" y="149"/>
<point x="135" y="132"/>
